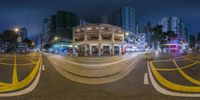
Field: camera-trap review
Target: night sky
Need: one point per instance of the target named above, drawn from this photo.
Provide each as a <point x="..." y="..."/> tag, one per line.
<point x="30" y="13"/>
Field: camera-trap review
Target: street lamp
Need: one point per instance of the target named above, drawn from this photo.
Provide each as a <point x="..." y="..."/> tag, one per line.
<point x="16" y="30"/>
<point x="56" y="38"/>
<point x="127" y="33"/>
<point x="33" y="43"/>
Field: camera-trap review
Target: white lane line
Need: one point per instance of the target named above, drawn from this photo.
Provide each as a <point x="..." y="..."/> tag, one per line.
<point x="43" y="68"/>
<point x="146" y="80"/>
<point x="167" y="92"/>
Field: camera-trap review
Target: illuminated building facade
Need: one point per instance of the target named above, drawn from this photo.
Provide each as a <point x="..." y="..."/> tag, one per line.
<point x="98" y="39"/>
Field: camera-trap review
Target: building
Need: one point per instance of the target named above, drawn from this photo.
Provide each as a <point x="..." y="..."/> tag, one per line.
<point x="53" y="24"/>
<point x="137" y="28"/>
<point x="98" y="39"/>
<point x="82" y="22"/>
<point x="62" y="24"/>
<point x="65" y="21"/>
<point x="125" y="18"/>
<point x="22" y="33"/>
<point x="46" y="28"/>
<point x="147" y="29"/>
<point x="197" y="41"/>
<point x="192" y="41"/>
<point x="105" y="19"/>
<point x="176" y="25"/>
<point x="46" y="31"/>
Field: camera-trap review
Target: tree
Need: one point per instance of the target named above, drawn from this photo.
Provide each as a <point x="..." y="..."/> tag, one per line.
<point x="157" y="35"/>
<point x="9" y="36"/>
<point x="162" y="37"/>
<point x="29" y="42"/>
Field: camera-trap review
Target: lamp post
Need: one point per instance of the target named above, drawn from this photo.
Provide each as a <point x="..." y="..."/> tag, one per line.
<point x="17" y="32"/>
<point x="127" y="34"/>
<point x="56" y="38"/>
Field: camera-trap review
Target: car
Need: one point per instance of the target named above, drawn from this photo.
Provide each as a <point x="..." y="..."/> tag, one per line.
<point x="147" y="56"/>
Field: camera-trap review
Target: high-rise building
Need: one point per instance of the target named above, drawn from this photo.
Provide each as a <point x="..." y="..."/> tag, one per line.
<point x="192" y="41"/>
<point x="137" y="28"/>
<point x="105" y="19"/>
<point x="61" y="24"/>
<point x="82" y="22"/>
<point x="176" y="25"/>
<point x="53" y="23"/>
<point x="65" y="21"/>
<point x="197" y="41"/>
<point x="125" y="18"/>
<point x="46" y="26"/>
<point x="23" y="33"/>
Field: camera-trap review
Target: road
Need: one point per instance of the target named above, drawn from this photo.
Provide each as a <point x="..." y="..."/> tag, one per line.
<point x="127" y="77"/>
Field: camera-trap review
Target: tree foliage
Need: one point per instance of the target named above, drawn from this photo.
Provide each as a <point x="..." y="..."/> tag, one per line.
<point x="162" y="37"/>
<point x="9" y="36"/>
<point x="29" y="43"/>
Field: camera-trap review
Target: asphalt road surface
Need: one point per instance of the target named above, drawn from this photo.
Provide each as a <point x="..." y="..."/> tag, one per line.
<point x="127" y="77"/>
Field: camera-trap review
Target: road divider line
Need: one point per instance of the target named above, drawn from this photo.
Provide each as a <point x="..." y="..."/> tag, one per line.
<point x="15" y="76"/>
<point x="186" y="76"/>
<point x="146" y="80"/>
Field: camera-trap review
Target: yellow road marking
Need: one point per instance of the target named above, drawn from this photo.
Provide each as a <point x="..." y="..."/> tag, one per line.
<point x="24" y="82"/>
<point x="174" y="69"/>
<point x="4" y="84"/>
<point x="192" y="60"/>
<point x="3" y="58"/>
<point x="17" y="64"/>
<point x="185" y="75"/>
<point x="171" y="85"/>
<point x="162" y="60"/>
<point x="29" y="59"/>
<point x="15" y="76"/>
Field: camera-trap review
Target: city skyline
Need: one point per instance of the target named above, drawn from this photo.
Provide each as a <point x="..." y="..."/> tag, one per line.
<point x="30" y="14"/>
